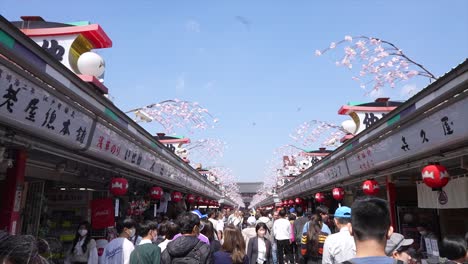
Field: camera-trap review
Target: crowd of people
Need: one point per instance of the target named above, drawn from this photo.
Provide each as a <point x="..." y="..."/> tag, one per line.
<point x="360" y="234"/>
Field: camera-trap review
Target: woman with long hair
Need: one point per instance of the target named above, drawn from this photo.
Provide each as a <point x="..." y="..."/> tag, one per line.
<point x="259" y="248"/>
<point x="209" y="232"/>
<point x="233" y="249"/>
<point x="312" y="241"/>
<point x="84" y="247"/>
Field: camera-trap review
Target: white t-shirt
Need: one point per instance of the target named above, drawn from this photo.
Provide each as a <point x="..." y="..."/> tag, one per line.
<point x="163" y="245"/>
<point x="118" y="251"/>
<point x="282" y="229"/>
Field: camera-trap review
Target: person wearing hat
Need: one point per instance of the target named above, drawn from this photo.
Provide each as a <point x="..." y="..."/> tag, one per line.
<point x="340" y="247"/>
<point x="249" y="231"/>
<point x="397" y="247"/>
<point x="201" y="237"/>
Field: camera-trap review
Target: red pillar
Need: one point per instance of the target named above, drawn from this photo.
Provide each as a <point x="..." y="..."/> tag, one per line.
<point x="11" y="194"/>
<point x="391" y="197"/>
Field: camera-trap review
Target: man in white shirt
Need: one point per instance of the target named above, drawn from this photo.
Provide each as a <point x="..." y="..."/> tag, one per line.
<point x="119" y="249"/>
<point x="212" y="217"/>
<point x="282" y="234"/>
<point x="340" y="247"/>
<point x="220" y="226"/>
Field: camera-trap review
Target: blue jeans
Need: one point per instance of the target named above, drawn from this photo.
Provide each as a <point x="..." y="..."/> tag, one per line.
<point x="274" y="250"/>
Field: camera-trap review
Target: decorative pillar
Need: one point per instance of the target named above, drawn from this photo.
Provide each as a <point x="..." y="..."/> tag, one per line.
<point x="11" y="194"/>
<point x="391" y="197"/>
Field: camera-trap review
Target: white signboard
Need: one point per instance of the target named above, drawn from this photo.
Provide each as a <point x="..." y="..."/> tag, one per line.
<point x="29" y="107"/>
<point x="445" y="127"/>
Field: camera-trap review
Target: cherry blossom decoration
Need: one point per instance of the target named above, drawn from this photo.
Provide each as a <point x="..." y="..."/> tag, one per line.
<point x="206" y="151"/>
<point x="382" y="63"/>
<point x="175" y="113"/>
<point x="227" y="180"/>
<point x="315" y="131"/>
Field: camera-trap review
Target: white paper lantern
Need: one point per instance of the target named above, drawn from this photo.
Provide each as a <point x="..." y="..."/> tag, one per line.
<point x="349" y="126"/>
<point x="90" y="63"/>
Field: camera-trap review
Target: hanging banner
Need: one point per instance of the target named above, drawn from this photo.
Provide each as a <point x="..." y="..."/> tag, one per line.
<point x="454" y="195"/>
<point x="102" y="213"/>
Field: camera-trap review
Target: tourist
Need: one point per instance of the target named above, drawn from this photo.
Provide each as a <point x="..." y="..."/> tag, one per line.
<point x="398" y="247"/>
<point x="340" y="246"/>
<point x="119" y="249"/>
<point x="209" y="232"/>
<point x="299" y="223"/>
<point x="212" y="217"/>
<point x="292" y="239"/>
<point x="170" y="229"/>
<point x="258" y="247"/>
<point x="220" y="226"/>
<point x="312" y="241"/>
<point x="282" y="234"/>
<point x="233" y="249"/>
<point x="187" y="248"/>
<point x="264" y="218"/>
<point x="370" y="227"/>
<point x="201" y="236"/>
<point x="147" y="252"/>
<point x="322" y="210"/>
<point x="454" y="248"/>
<point x="249" y="232"/>
<point x="84" y="247"/>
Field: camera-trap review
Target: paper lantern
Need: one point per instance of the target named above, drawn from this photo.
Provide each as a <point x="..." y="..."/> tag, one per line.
<point x="299" y="201"/>
<point x="190" y="198"/>
<point x="319" y="197"/>
<point x="156" y="193"/>
<point x="370" y="187"/>
<point x="200" y="200"/>
<point x="119" y="186"/>
<point x="349" y="126"/>
<point x="435" y="176"/>
<point x="291" y="202"/>
<point x="338" y="193"/>
<point x="90" y="63"/>
<point x="176" y="197"/>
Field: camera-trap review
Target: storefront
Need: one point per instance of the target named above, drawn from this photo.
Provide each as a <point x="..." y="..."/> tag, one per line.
<point x="63" y="145"/>
<point x="430" y="127"/>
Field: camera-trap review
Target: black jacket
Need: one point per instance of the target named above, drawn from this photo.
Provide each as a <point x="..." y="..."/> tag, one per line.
<point x="182" y="246"/>
<point x="252" y="250"/>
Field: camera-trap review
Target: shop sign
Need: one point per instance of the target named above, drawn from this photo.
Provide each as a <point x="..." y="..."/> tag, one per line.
<point x="25" y="105"/>
<point x="110" y="145"/>
<point x="444" y="127"/>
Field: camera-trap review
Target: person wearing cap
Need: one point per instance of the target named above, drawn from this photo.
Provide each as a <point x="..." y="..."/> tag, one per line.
<point x="339" y="247"/>
<point x="249" y="231"/>
<point x="397" y="247"/>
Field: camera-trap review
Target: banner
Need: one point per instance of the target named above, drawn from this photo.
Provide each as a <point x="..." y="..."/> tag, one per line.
<point x="102" y="213"/>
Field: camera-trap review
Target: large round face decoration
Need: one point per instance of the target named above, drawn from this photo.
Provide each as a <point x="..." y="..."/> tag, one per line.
<point x="90" y="63"/>
<point x="181" y="152"/>
<point x="304" y="164"/>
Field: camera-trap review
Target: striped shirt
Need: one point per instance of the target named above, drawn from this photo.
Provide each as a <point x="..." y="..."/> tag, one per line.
<point x="306" y="246"/>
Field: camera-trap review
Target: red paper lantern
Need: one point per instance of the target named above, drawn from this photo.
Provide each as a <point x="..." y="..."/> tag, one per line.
<point x="176" y="197"/>
<point x="200" y="200"/>
<point x="156" y="193"/>
<point x="370" y="187"/>
<point x="338" y="193"/>
<point x="435" y="176"/>
<point x="291" y="202"/>
<point x="119" y="186"/>
<point x="319" y="197"/>
<point x="190" y="198"/>
<point x="299" y="201"/>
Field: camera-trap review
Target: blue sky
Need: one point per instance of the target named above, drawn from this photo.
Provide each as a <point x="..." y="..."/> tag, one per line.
<point x="253" y="61"/>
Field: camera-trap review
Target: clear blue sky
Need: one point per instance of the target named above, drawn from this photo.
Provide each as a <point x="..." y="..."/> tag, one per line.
<point x="257" y="73"/>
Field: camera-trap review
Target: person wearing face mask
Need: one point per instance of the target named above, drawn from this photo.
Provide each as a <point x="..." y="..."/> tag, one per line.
<point x="259" y="248"/>
<point x="147" y="252"/>
<point x="425" y="232"/>
<point x="119" y="249"/>
<point x="84" y="247"/>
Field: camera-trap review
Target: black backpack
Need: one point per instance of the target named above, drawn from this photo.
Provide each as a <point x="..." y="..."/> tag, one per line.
<point x="193" y="257"/>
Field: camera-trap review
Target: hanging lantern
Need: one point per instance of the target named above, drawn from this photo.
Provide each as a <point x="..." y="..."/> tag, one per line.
<point x="119" y="186"/>
<point x="190" y="198"/>
<point x="156" y="193"/>
<point x="200" y="200"/>
<point x="319" y="197"/>
<point x="176" y="197"/>
<point x="370" y="187"/>
<point x="299" y="201"/>
<point x="338" y="193"/>
<point x="291" y="202"/>
<point x="435" y="176"/>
